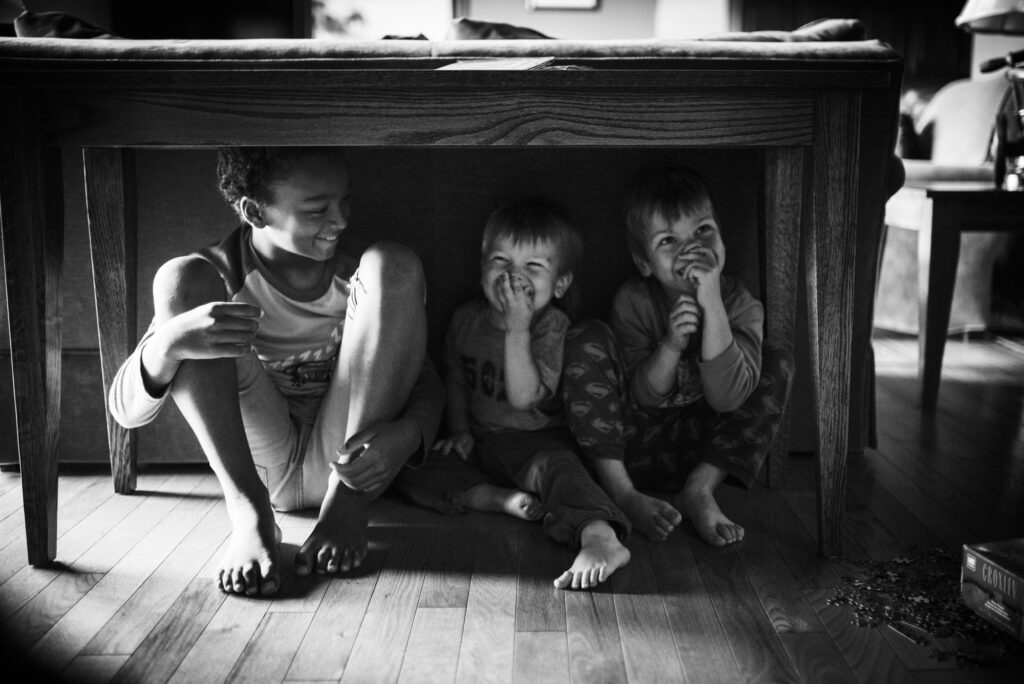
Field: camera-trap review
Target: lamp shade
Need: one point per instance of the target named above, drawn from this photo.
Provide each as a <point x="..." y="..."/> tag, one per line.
<point x="992" y="16"/>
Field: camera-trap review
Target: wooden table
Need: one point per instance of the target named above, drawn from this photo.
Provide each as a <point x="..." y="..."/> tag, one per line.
<point x="940" y="211"/>
<point x="802" y="106"/>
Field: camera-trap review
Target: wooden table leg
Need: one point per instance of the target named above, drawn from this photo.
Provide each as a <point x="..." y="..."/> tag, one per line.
<point x="830" y="257"/>
<point x="938" y="249"/>
<point x="32" y="220"/>
<point x="110" y="201"/>
<point x="784" y="168"/>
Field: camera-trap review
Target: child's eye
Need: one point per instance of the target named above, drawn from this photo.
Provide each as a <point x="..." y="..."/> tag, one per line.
<point x="667" y="240"/>
<point x="317" y="211"/>
<point x="705" y="228"/>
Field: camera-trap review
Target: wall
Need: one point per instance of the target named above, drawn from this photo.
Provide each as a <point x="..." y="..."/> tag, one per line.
<point x="613" y="18"/>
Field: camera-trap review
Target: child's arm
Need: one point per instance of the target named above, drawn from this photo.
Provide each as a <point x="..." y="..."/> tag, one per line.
<point x="729" y="378"/>
<point x="659" y="369"/>
<point x="214" y="329"/>
<point x="705" y="271"/>
<point x="730" y="360"/>
<point x="524" y="384"/>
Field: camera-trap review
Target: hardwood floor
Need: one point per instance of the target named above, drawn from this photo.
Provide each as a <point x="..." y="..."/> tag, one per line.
<point x="469" y="598"/>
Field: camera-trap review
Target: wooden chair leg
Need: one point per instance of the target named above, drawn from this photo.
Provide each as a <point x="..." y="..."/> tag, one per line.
<point x="938" y="249"/>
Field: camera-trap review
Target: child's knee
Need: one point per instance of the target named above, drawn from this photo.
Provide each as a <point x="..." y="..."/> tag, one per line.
<point x="392" y="268"/>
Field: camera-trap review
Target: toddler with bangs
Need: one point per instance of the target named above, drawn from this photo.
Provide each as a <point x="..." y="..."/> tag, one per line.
<point x="679" y="391"/>
<point x="503" y="369"/>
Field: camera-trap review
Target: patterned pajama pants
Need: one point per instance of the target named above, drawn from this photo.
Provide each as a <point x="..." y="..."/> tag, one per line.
<point x="660" y="447"/>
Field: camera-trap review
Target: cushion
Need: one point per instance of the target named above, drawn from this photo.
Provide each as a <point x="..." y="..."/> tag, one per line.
<point x="56" y="25"/>
<point x="818" y="30"/>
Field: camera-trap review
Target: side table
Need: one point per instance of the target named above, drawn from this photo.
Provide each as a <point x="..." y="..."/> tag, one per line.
<point x="940" y="211"/>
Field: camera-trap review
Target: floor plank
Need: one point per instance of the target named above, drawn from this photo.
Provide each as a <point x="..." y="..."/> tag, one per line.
<point x="269" y="653"/>
<point x="816" y="658"/>
<point x="648" y="646"/>
<point x="380" y="644"/>
<point x="327" y="644"/>
<point x="433" y="651"/>
<point x="592" y="632"/>
<point x="213" y="656"/>
<point x="701" y="643"/>
<point x="488" y="639"/>
<point x="540" y="658"/>
<point x="754" y="642"/>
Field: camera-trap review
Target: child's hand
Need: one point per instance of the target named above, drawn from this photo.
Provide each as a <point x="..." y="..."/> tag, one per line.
<point x="211" y="331"/>
<point x="704" y="270"/>
<point x="371" y="458"/>
<point x="462" y="442"/>
<point x="683" y="320"/>
<point x="515" y="301"/>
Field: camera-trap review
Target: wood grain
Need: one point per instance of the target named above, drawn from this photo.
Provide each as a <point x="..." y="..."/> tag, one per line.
<point x="427" y="116"/>
<point x="140" y="614"/>
<point x="33" y="298"/>
<point x="325" y="649"/>
<point x="816" y="658"/>
<point x="433" y="651"/>
<point x="268" y="654"/>
<point x="174" y="636"/>
<point x="539" y="606"/>
<point x="830" y="257"/>
<point x="111" y="209"/>
<point x="755" y="644"/>
<point x="540" y="657"/>
<point x="783" y="200"/>
<point x="387" y="622"/>
<point x="595" y="650"/>
<point x="488" y="639"/>
<point x="702" y="645"/>
<point x="644" y="630"/>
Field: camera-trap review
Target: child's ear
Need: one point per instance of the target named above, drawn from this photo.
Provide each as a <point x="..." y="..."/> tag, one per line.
<point x="642" y="266"/>
<point x="562" y="285"/>
<point x="251" y="212"/>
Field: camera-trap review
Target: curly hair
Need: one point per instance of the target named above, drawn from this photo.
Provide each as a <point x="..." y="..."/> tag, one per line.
<point x="250" y="171"/>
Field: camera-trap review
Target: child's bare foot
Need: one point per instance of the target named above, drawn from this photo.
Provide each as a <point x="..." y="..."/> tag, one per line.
<point x="700" y="506"/>
<point x="250" y="564"/>
<point x="601" y="554"/>
<point x="338" y="540"/>
<point x="653" y="517"/>
<point x="488" y="497"/>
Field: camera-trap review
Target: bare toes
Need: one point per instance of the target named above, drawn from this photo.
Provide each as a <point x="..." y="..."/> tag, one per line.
<point x="564" y="580"/>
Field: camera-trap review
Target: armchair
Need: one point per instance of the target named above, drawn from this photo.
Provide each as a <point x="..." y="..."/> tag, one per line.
<point x="952" y="139"/>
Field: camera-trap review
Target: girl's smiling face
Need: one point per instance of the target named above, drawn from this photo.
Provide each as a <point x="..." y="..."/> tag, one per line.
<point x="671" y="246"/>
<point x="308" y="210"/>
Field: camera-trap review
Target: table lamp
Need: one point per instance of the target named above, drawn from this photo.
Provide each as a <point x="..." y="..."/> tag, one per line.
<point x="1004" y="17"/>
